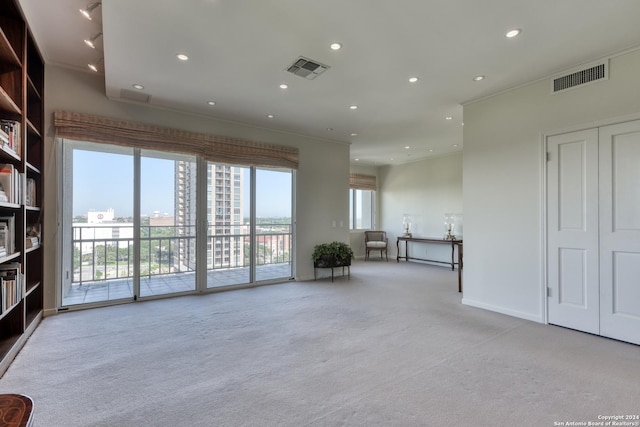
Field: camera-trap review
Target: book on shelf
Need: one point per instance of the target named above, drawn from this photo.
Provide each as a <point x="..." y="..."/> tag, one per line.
<point x="4" y="136"/>
<point x="30" y="192"/>
<point x="6" y="179"/>
<point x="11" y="129"/>
<point x="11" y="285"/>
<point x="8" y="231"/>
<point x="4" y="239"/>
<point x="10" y="181"/>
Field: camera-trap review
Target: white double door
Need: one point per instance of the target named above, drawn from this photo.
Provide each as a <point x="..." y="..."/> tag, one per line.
<point x="593" y="231"/>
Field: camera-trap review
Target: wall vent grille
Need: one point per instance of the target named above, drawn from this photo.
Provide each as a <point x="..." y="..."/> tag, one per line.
<point x="591" y="74"/>
<point x="307" y="68"/>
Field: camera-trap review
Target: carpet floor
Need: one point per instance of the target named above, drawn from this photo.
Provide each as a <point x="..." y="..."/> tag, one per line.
<point x="393" y="346"/>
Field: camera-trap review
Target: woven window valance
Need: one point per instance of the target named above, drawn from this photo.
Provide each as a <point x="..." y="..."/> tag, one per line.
<point x="362" y="182"/>
<point x="219" y="149"/>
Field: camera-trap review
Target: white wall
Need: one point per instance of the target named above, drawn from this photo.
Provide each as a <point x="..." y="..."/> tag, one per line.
<point x="426" y="190"/>
<point x="502" y="181"/>
<point x="322" y="177"/>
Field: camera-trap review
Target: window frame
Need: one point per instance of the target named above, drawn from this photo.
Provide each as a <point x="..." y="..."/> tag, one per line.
<point x="354" y="207"/>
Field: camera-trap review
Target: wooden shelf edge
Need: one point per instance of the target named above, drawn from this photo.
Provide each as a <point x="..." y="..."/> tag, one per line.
<point x="9" y="257"/>
<point x="8" y="55"/>
<point x="7" y="103"/>
<point x="33" y="129"/>
<point x="32" y="168"/>
<point x="5" y="205"/>
<point x="32" y="287"/>
<point x="8" y="311"/>
<point x="8" y="352"/>
<point x="31" y="322"/>
<point x="9" y="152"/>
<point x="33" y="248"/>
<point x="33" y="87"/>
<point x="11" y="346"/>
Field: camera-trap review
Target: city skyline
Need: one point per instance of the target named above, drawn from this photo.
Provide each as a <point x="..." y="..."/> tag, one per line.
<point x="97" y="174"/>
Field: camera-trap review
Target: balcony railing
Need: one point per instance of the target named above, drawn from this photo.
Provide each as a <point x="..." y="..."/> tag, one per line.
<point x="105" y="252"/>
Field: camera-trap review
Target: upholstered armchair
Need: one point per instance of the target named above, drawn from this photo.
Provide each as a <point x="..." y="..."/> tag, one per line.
<point x="376" y="241"/>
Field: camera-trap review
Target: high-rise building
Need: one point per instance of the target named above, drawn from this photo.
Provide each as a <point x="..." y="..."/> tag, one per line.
<point x="185" y="213"/>
<point x="225" y="215"/>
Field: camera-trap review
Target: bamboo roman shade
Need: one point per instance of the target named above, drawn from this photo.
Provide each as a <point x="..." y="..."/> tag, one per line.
<point x="219" y="149"/>
<point x="362" y="182"/>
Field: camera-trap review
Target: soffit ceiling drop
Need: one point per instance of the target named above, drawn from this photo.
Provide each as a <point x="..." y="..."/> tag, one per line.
<point x="239" y="50"/>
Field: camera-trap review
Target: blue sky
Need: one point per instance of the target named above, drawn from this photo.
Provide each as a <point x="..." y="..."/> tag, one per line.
<point x="105" y="180"/>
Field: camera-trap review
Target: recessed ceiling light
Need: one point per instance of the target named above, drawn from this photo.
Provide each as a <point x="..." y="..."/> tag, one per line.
<point x="448" y="118"/>
<point x="357" y="160"/>
<point x="335" y="46"/>
<point x="478" y="78"/>
<point x="354" y="134"/>
<point x="182" y="57"/>
<point x="455" y="145"/>
<point x="95" y="66"/>
<point x="91" y="42"/>
<point x="86" y="12"/>
<point x="513" y="33"/>
<point x="431" y="150"/>
<point x="413" y="79"/>
<point x="270" y="116"/>
<point x="284" y="86"/>
<point x="353" y="107"/>
<point x="211" y="103"/>
<point x="407" y="147"/>
<point x="138" y="86"/>
<point x="330" y="129"/>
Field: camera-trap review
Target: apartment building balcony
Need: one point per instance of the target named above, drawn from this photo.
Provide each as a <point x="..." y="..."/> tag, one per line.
<point x="103" y="266"/>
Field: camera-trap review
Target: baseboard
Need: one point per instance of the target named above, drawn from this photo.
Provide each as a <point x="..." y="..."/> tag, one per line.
<point x="50" y="312"/>
<point x="503" y="310"/>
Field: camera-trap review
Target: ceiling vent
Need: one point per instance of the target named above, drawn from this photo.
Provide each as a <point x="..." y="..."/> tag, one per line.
<point x="307" y="68"/>
<point x="591" y="73"/>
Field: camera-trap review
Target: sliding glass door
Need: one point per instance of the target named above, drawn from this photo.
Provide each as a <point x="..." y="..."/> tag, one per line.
<point x="167" y="223"/>
<point x="98" y="209"/>
<point x="133" y="226"/>
<point x="274" y="228"/>
<point x="228" y="225"/>
<point x="246" y="245"/>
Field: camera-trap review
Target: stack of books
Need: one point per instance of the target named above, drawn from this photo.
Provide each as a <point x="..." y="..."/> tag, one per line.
<point x="10" y="136"/>
<point x="7" y="234"/>
<point x="11" y="285"/>
<point x="10" y="181"/>
<point x="3" y="195"/>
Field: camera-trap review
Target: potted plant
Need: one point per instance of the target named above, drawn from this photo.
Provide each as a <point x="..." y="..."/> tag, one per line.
<point x="329" y="255"/>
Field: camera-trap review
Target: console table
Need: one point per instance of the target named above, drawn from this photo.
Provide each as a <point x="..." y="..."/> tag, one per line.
<point x="430" y="240"/>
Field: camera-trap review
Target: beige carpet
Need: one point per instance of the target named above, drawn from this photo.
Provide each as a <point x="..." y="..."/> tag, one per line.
<point x="391" y="347"/>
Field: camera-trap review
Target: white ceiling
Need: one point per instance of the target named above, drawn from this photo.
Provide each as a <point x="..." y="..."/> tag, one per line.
<point x="239" y="50"/>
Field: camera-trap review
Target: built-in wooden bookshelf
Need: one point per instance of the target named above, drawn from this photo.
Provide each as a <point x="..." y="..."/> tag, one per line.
<point x="21" y="170"/>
